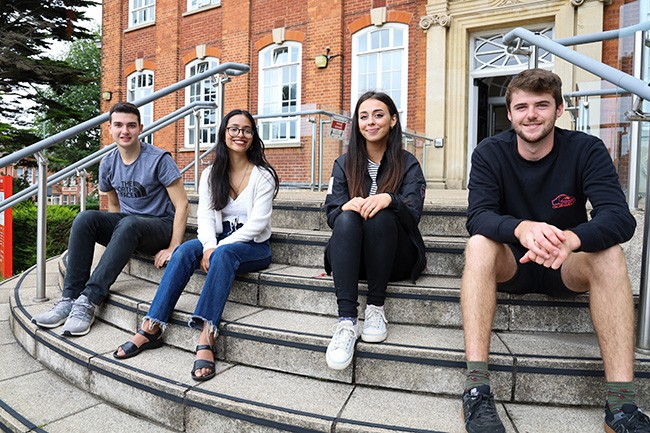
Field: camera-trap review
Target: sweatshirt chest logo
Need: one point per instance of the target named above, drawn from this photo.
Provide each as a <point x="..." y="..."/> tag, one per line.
<point x="562" y="200"/>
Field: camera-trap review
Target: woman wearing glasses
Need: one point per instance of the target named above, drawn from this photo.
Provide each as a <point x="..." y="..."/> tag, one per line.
<point x="234" y="227"/>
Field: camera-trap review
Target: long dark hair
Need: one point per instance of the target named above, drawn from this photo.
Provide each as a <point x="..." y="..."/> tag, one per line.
<point x="219" y="177"/>
<point x="356" y="165"/>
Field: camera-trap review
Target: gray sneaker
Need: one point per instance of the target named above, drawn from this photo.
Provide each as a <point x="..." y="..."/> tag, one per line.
<point x="80" y="318"/>
<point x="56" y="315"/>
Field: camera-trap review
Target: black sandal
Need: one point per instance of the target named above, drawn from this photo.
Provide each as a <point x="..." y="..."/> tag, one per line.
<point x="203" y="363"/>
<point x="130" y="349"/>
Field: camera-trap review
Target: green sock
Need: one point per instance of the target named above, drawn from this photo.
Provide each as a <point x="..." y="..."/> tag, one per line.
<point x="477" y="374"/>
<point x="620" y="393"/>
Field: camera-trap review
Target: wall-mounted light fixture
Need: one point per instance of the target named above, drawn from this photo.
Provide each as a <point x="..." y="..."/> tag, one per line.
<point x="322" y="60"/>
<point x="106" y="96"/>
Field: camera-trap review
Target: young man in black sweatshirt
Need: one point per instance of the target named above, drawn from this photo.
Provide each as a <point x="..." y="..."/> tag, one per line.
<point x="527" y="218"/>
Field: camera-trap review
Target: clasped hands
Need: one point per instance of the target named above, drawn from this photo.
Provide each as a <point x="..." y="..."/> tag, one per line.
<point x="369" y="206"/>
<point x="547" y="245"/>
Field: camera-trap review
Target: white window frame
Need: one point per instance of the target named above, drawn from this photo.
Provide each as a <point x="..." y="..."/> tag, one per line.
<point x="135" y="90"/>
<point x="141" y="12"/>
<point x="210" y="119"/>
<point x="193" y="5"/>
<point x="358" y="52"/>
<point x="279" y="130"/>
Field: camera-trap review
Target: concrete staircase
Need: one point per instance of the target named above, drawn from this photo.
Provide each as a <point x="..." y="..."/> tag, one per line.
<point x="272" y="375"/>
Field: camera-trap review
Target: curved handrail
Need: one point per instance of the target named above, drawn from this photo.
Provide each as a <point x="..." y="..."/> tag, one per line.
<point x="613" y="75"/>
<point x="228" y="68"/>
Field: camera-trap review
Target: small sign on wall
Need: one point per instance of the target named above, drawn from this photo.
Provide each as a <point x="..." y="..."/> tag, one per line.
<point x="337" y="127"/>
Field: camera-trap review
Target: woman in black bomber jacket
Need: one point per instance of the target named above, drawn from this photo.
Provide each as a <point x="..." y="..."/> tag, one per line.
<point x="373" y="205"/>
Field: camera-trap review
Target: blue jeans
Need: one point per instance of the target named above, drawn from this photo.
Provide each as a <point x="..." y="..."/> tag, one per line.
<point x="121" y="234"/>
<point x="225" y="262"/>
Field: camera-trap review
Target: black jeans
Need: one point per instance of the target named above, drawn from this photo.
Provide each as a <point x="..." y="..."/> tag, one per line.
<point x="121" y="234"/>
<point x="377" y="249"/>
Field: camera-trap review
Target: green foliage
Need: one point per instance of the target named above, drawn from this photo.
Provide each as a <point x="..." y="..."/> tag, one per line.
<point x="19" y="184"/>
<point x="28" y="28"/>
<point x="59" y="221"/>
<point x="74" y="104"/>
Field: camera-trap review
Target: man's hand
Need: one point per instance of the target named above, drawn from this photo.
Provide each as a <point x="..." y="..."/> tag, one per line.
<point x="205" y="261"/>
<point x="369" y="206"/>
<point x="547" y="245"/>
<point x="162" y="257"/>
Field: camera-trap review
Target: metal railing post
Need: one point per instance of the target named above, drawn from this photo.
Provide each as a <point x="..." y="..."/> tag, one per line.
<point x="41" y="227"/>
<point x="313" y="153"/>
<point x="320" y="154"/>
<point x="197" y="144"/>
<point x="83" y="177"/>
<point x="643" y="331"/>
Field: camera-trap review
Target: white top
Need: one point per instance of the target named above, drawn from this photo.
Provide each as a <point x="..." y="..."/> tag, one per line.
<point x="373" y="168"/>
<point x="258" y="203"/>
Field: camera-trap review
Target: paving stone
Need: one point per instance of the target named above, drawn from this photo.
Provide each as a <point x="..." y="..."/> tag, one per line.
<point x="16" y="362"/>
<point x="42" y="397"/>
<point x="104" y="418"/>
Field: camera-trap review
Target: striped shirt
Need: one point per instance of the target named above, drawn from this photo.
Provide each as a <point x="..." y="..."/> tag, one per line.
<point x="373" y="167"/>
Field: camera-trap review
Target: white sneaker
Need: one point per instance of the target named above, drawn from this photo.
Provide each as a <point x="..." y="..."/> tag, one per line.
<point x="374" y="325"/>
<point x="341" y="348"/>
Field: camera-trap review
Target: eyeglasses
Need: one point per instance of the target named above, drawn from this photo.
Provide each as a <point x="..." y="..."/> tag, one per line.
<point x="233" y="131"/>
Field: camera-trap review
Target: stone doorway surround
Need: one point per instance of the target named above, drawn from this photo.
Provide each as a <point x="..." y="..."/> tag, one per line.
<point x="449" y="25"/>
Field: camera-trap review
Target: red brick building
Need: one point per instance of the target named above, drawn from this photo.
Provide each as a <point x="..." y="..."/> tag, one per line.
<point x="442" y="61"/>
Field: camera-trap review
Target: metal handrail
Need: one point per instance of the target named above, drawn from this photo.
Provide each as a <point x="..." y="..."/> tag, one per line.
<point x="606" y="72"/>
<point x="225" y="68"/>
<point x="314" y="144"/>
<point x="632" y="85"/>
<point x="95" y="157"/>
<point x="38" y="149"/>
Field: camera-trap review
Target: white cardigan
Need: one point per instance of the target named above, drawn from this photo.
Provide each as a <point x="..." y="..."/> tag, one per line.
<point x="259" y="206"/>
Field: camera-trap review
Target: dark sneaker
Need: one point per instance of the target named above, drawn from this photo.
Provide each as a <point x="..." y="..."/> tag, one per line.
<point x="81" y="317"/>
<point x="479" y="411"/>
<point x="629" y="419"/>
<point x="56" y="315"/>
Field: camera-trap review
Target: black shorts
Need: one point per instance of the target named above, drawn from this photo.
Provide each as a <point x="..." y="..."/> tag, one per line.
<point x="534" y="278"/>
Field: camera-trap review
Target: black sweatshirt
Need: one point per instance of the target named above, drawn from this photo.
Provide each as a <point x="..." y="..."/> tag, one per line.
<point x="505" y="189"/>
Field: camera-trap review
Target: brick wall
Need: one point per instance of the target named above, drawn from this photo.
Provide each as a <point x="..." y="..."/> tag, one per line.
<point x="235" y="30"/>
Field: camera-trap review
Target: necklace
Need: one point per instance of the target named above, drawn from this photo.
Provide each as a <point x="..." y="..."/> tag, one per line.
<point x="236" y="190"/>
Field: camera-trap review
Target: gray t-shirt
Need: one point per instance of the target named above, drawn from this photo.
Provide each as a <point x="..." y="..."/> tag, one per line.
<point x="140" y="186"/>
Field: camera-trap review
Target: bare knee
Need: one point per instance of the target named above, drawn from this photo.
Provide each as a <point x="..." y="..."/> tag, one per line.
<point x="485" y="255"/>
<point x="586" y="271"/>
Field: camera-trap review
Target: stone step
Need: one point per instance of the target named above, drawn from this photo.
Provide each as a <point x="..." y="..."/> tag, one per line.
<point x="432" y="301"/>
<point x="306" y="248"/>
<point x="306" y="213"/>
<point x="36" y="399"/>
<point x="527" y="367"/>
<point x="156" y="384"/>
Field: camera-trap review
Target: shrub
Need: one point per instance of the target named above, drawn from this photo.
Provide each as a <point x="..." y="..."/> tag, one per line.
<point x="59" y="221"/>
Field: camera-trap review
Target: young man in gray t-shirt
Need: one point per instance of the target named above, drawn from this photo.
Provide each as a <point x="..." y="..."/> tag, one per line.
<point x="147" y="212"/>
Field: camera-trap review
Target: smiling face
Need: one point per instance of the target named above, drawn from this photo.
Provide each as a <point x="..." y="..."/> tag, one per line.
<point x="375" y="121"/>
<point x="533" y="117"/>
<point x="239" y="134"/>
<point x="125" y="128"/>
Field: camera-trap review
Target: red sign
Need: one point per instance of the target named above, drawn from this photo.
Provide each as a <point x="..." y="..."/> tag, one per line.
<point x="337" y="128"/>
<point x="6" y="230"/>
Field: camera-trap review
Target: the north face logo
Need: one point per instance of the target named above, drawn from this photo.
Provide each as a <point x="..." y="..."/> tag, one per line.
<point x="131" y="189"/>
<point x="563" y="200"/>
